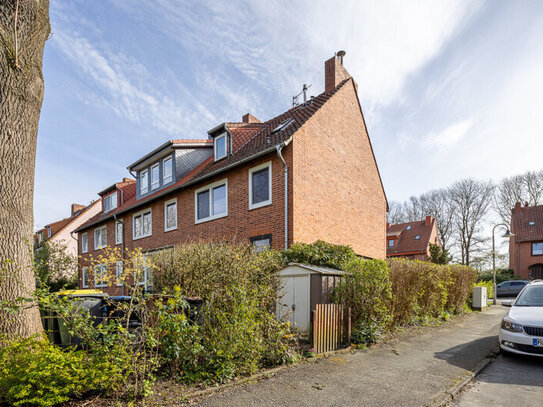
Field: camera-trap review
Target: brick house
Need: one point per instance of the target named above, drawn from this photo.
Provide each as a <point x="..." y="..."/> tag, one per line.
<point x="307" y="174"/>
<point x="526" y="247"/>
<point x="62" y="231"/>
<point x="412" y="240"/>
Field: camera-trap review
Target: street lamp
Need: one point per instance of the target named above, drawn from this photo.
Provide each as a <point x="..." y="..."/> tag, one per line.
<point x="509" y="235"/>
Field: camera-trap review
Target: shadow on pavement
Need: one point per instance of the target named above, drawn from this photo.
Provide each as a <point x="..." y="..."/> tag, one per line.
<point x="467" y="355"/>
<point x="514" y="369"/>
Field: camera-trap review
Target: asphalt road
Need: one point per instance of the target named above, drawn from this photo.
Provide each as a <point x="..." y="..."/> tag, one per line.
<point x="411" y="372"/>
<point x="512" y="380"/>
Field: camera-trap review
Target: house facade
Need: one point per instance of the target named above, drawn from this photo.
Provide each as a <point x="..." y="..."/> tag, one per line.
<point x="412" y="240"/>
<point x="307" y="174"/>
<point x="526" y="247"/>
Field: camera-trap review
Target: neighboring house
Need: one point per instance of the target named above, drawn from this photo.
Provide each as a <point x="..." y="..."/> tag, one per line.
<point x="62" y="231"/>
<point x="307" y="174"/>
<point x="412" y="240"/>
<point x="526" y="247"/>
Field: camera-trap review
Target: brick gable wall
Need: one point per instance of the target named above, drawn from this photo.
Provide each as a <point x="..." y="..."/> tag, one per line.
<point x="338" y="196"/>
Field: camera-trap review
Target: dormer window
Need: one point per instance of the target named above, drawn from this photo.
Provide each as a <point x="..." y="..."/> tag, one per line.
<point x="391" y="243"/>
<point x="220" y="146"/>
<point x="155" y="176"/>
<point x="408" y="227"/>
<point x="167" y="170"/>
<point x="110" y="202"/>
<point x="49" y="232"/>
<point x="144" y="182"/>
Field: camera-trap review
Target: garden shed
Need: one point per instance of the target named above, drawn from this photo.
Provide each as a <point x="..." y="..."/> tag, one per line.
<point x="303" y="287"/>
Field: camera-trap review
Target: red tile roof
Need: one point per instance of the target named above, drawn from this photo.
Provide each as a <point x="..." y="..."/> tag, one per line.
<point x="406" y="241"/>
<point x="254" y="139"/>
<point x="520" y="223"/>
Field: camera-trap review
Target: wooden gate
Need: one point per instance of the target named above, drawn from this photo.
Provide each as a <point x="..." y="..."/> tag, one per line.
<point x="331" y="327"/>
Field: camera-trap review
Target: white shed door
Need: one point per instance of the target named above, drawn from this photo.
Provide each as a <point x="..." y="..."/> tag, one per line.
<point x="296" y="301"/>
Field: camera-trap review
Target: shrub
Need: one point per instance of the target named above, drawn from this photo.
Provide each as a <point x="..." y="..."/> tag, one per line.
<point x="39" y="373"/>
<point x="463" y="278"/>
<point x="238" y="333"/>
<point x="366" y="333"/>
<point x="320" y="253"/>
<point x="489" y="287"/>
<point x="501" y="275"/>
<point x="365" y="288"/>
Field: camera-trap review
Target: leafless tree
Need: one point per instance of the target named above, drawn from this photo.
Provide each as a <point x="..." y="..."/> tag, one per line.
<point x="396" y="213"/>
<point x="437" y="203"/>
<point x="24" y="28"/>
<point x="471" y="200"/>
<point x="527" y="187"/>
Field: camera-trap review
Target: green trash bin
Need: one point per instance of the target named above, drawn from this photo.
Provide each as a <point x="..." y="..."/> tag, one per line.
<point x="91" y="300"/>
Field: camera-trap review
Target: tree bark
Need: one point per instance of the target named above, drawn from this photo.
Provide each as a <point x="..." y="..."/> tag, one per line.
<point x="24" y="28"/>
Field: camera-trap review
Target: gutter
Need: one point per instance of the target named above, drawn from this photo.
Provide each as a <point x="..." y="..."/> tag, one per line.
<point x="278" y="149"/>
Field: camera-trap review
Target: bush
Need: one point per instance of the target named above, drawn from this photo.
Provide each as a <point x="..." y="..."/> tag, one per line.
<point x="501" y="275"/>
<point x="238" y="333"/>
<point x="463" y="278"/>
<point x="365" y="288"/>
<point x="489" y="287"/>
<point x="35" y="372"/>
<point x="366" y="333"/>
<point x="320" y="253"/>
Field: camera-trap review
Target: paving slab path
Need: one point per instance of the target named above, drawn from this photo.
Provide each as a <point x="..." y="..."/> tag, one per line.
<point x="413" y="371"/>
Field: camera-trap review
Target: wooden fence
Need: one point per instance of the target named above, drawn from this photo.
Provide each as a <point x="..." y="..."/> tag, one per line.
<point x="331" y="327"/>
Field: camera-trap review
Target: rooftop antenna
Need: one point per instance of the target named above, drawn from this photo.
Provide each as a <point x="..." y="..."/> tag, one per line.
<point x="340" y="55"/>
<point x="303" y="92"/>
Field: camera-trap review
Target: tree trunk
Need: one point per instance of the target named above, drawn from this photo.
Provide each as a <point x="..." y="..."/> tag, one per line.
<point x="24" y="28"/>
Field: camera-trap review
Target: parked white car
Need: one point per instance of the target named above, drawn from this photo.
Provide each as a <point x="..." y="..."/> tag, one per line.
<point x="521" y="329"/>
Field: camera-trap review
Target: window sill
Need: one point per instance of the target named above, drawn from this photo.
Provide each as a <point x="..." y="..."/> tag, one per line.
<point x="100" y="286"/>
<point x="210" y="218"/>
<point x="141" y="237"/>
<point x="170" y="229"/>
<point x="259" y="205"/>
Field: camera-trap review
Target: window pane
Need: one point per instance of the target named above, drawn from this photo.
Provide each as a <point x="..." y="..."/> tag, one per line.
<point x="144" y="182"/>
<point x="147" y="223"/>
<point x="262" y="244"/>
<point x="537" y="248"/>
<point x="84" y="242"/>
<point x="119" y="233"/>
<point x="260" y="185"/>
<point x="219" y="200"/>
<point x="167" y="170"/>
<point x="104" y="237"/>
<point x="220" y="147"/>
<point x="171" y="216"/>
<point x="155" y="180"/>
<point x="137" y="226"/>
<point x="203" y="204"/>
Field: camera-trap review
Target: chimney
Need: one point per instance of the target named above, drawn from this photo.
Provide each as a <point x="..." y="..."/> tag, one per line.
<point x="334" y="72"/>
<point x="517" y="207"/>
<point x="428" y="221"/>
<point x="249" y="118"/>
<point x="388" y="226"/>
<point x="76" y="208"/>
<point x="526" y="204"/>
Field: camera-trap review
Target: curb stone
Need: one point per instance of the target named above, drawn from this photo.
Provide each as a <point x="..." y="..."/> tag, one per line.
<point x="265" y="374"/>
<point x="449" y="395"/>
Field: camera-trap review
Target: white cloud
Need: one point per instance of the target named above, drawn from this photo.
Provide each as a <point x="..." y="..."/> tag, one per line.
<point x="449" y="136"/>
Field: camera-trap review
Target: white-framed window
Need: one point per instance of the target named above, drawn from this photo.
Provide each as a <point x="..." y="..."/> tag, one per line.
<point x="40" y="237"/>
<point x="155" y="176"/>
<point x="390" y="242"/>
<point x="100" y="237"/>
<point x="167" y="170"/>
<point x="85" y="277"/>
<point x="110" y="202"/>
<point x="145" y="275"/>
<point x="84" y="242"/>
<point x="49" y="231"/>
<point x="118" y="232"/>
<point x="170" y="215"/>
<point x="119" y="280"/>
<point x="144" y="182"/>
<point x="211" y="201"/>
<point x="260" y="188"/>
<point x="261" y="243"/>
<point x="100" y="275"/>
<point x="142" y="224"/>
<point x="220" y="146"/>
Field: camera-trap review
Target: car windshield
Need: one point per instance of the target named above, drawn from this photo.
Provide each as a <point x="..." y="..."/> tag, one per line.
<point x="532" y="296"/>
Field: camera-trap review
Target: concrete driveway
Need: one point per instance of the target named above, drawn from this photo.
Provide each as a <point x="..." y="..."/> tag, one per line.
<point x="411" y="372"/>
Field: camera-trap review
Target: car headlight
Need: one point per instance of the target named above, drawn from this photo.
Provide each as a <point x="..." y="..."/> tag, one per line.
<point x="509" y="325"/>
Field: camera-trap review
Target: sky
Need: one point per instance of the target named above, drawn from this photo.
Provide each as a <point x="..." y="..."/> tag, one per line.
<point x="449" y="89"/>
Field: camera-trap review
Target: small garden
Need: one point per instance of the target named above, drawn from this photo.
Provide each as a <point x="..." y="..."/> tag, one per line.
<point x="232" y="333"/>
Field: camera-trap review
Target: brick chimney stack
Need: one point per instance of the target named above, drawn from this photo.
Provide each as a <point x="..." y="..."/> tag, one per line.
<point x="334" y="72"/>
<point x="517" y="207"/>
<point x="76" y="208"/>
<point x="249" y="118"/>
<point x="428" y="221"/>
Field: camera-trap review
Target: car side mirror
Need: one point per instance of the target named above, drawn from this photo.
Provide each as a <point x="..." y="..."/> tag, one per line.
<point x="507" y="303"/>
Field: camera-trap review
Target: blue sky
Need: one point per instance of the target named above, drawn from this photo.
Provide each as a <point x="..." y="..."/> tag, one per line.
<point x="449" y="89"/>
